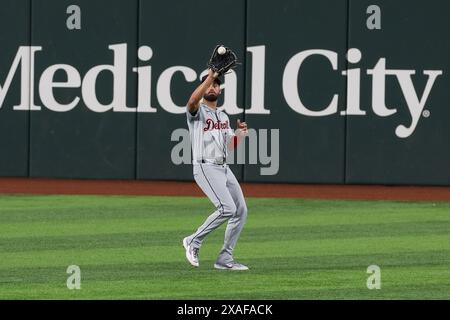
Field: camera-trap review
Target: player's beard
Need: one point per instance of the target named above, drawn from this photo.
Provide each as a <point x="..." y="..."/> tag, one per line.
<point x="211" y="97"/>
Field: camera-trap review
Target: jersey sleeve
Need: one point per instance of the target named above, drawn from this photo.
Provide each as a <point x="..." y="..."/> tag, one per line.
<point x="230" y="131"/>
<point x="193" y="117"/>
<point x="230" y="135"/>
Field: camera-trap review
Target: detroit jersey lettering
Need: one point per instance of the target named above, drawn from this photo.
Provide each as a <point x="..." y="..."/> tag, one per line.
<point x="210" y="133"/>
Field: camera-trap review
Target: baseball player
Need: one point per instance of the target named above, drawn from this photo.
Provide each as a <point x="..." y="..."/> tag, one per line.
<point x="211" y="137"/>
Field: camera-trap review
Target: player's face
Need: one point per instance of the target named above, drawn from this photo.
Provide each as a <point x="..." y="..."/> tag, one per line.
<point x="213" y="92"/>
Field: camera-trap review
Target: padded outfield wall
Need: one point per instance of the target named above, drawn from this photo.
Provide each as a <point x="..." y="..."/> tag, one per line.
<point x="359" y="90"/>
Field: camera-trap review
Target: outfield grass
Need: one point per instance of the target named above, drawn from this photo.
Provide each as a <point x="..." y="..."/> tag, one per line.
<point x="130" y="248"/>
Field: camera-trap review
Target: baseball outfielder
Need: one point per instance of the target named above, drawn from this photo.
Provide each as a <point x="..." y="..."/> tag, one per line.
<point x="211" y="137"/>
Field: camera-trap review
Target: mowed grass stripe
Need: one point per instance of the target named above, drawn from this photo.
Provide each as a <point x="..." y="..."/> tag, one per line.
<point x="252" y="234"/>
<point x="181" y="219"/>
<point x="398" y="282"/>
<point x="75" y="208"/>
<point x="260" y="266"/>
<point x="146" y="254"/>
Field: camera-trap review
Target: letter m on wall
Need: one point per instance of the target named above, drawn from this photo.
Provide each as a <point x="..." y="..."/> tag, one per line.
<point x="25" y="59"/>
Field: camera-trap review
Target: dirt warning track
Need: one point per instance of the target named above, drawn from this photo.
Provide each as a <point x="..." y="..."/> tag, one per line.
<point x="175" y="188"/>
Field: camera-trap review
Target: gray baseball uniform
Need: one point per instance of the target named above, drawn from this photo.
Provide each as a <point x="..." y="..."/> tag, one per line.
<point x="210" y="133"/>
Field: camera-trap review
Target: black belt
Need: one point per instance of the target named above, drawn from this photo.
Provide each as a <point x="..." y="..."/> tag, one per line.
<point x="223" y="161"/>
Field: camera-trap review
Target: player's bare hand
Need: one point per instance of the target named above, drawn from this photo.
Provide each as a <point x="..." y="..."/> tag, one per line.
<point x="241" y="125"/>
<point x="242" y="129"/>
<point x="213" y="74"/>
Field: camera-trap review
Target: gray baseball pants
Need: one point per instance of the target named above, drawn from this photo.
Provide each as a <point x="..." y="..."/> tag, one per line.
<point x="220" y="185"/>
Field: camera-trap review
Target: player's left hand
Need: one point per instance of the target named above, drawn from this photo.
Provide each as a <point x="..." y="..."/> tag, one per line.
<point x="242" y="129"/>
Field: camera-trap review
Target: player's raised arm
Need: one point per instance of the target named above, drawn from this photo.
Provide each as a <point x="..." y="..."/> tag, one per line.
<point x="197" y="95"/>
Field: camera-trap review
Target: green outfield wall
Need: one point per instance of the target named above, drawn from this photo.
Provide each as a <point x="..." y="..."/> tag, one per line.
<point x="344" y="91"/>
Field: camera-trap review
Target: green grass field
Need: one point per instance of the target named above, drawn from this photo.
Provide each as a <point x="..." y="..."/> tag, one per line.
<point x="130" y="248"/>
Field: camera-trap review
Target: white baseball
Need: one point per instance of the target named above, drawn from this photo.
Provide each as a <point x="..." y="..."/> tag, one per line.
<point x="221" y="50"/>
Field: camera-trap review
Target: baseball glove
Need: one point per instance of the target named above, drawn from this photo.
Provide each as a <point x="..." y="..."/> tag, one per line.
<point x="221" y="63"/>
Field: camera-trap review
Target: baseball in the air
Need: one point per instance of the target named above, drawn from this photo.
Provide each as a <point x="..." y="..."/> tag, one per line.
<point x="221" y="50"/>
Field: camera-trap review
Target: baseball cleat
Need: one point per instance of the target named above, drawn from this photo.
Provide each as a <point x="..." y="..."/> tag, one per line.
<point x="191" y="253"/>
<point x="231" y="266"/>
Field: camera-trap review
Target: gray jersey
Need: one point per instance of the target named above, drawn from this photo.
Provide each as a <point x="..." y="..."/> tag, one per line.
<point x="210" y="133"/>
